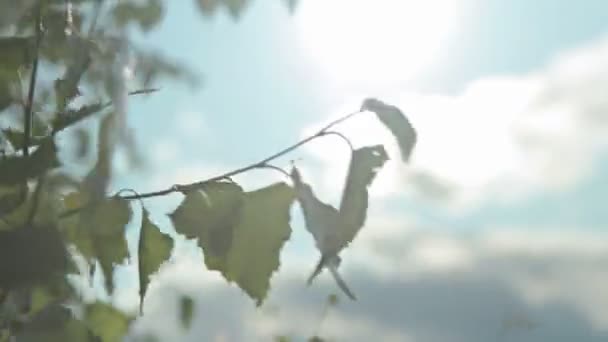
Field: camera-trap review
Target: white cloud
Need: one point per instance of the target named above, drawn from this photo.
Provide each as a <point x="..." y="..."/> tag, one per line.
<point x="421" y="286"/>
<point x="502" y="136"/>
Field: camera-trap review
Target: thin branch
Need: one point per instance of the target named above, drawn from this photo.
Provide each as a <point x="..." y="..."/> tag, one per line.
<point x="262" y="163"/>
<point x="144" y="91"/>
<point x="28" y="108"/>
<point x="341" y="136"/>
<point x="276" y="168"/>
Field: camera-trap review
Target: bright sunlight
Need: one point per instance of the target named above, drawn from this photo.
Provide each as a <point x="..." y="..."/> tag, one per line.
<point x="379" y="41"/>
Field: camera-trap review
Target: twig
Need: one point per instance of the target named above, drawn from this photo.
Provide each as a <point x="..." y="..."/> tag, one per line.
<point x="260" y="164"/>
<point x="264" y="163"/>
<point x="27" y="110"/>
<point x="144" y="91"/>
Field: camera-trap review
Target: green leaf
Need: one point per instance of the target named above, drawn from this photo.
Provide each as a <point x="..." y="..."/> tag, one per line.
<point x="154" y="249"/>
<point x="186" y="311"/>
<point x="241" y="233"/>
<point x="210" y="215"/>
<point x="31" y="256"/>
<point x="396" y="122"/>
<point x="258" y="239"/>
<point x="107" y="322"/>
<point x="16" y="169"/>
<point x="325" y="224"/>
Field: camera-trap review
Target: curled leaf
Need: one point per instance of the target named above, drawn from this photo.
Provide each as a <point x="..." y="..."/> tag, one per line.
<point x="324" y="223"/>
<point x="365" y="163"/>
<point x="396" y="122"/>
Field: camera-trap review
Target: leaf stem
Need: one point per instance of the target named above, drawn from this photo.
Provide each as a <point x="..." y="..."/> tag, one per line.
<point x="260" y="164"/>
<point x="264" y="163"/>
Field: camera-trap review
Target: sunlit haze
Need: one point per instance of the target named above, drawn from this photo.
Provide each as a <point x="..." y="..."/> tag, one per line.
<point x="375" y="41"/>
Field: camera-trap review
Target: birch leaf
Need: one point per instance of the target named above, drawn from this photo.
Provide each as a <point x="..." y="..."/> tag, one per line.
<point x="394" y="119"/>
<point x="154" y="249"/>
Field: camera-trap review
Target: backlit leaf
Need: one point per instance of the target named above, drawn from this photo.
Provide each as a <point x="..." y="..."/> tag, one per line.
<point x="324" y="222"/>
<point x="258" y="239"/>
<point x="210" y="215"/>
<point x="396" y="122"/>
<point x="250" y="227"/>
<point x="154" y="249"/>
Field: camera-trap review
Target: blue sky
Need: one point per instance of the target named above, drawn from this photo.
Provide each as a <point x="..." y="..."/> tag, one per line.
<point x="259" y="89"/>
<point x="509" y="176"/>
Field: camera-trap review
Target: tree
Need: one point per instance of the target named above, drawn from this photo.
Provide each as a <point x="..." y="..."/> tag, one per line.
<point x="64" y="63"/>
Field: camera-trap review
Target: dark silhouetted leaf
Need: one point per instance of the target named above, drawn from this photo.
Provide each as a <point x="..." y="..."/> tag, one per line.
<point x="186" y="311"/>
<point x="154" y="249"/>
<point x="16" y="169"/>
<point x="396" y="122"/>
<point x="107" y="322"/>
<point x="324" y="223"/>
<point x="31" y="256"/>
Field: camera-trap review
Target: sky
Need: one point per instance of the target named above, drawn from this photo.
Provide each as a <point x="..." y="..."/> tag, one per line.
<point x="494" y="231"/>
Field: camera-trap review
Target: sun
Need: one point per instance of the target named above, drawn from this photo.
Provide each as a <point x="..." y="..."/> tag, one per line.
<point x="374" y="40"/>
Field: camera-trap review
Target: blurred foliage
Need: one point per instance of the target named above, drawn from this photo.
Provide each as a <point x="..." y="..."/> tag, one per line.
<point x="186" y="311"/>
<point x="57" y="225"/>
